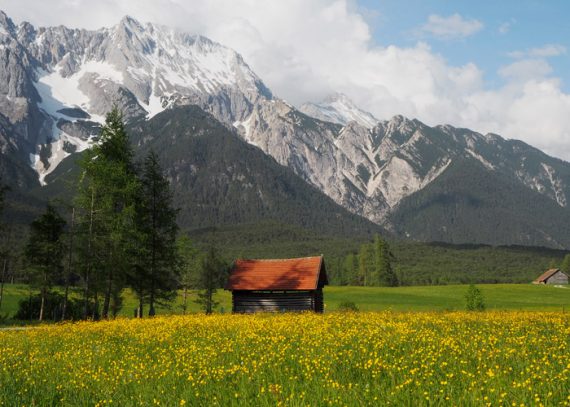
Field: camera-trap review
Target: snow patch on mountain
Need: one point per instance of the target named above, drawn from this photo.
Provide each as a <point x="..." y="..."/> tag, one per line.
<point x="556" y="184"/>
<point x="479" y="158"/>
<point x="142" y="68"/>
<point x="338" y="108"/>
<point x="59" y="92"/>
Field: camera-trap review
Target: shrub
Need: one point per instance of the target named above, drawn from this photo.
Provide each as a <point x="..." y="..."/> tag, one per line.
<point x="474" y="299"/>
<point x="29" y="308"/>
<point x="348" y="306"/>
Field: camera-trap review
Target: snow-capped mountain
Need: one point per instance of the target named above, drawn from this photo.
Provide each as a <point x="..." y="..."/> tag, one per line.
<point x="338" y="108"/>
<point x="65" y="80"/>
<point x="56" y="84"/>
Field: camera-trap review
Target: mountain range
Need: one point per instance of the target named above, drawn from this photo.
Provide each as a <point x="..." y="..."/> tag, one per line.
<point x="415" y="181"/>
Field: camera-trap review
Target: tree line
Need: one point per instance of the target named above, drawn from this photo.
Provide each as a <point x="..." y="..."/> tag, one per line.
<point x="370" y="266"/>
<point x="120" y="232"/>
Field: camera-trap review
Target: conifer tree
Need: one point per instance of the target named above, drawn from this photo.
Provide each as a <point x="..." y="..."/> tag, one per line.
<point x="4" y="252"/>
<point x="365" y="264"/>
<point x="44" y="252"/>
<point x="212" y="272"/>
<point x="106" y="199"/>
<point x="189" y="259"/>
<point x="349" y="269"/>
<point x="384" y="272"/>
<point x="156" y="221"/>
<point x="3" y="190"/>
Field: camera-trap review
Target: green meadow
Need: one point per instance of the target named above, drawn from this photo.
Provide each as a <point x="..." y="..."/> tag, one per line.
<point x="523" y="297"/>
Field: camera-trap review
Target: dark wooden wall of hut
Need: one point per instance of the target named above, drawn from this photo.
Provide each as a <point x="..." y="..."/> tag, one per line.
<point x="558" y="278"/>
<point x="277" y="301"/>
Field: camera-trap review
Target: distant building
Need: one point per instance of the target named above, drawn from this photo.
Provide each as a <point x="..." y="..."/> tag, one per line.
<point x="552" y="276"/>
<point x="278" y="285"/>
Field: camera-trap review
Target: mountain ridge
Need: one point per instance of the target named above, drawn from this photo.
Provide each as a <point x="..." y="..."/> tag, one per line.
<point x="59" y="82"/>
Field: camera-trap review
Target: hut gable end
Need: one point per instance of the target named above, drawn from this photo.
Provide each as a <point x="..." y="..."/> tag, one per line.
<point x="552" y="276"/>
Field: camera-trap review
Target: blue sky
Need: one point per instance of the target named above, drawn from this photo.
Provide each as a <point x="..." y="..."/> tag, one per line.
<point x="508" y="26"/>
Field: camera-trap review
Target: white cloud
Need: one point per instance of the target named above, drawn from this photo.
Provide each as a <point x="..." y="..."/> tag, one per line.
<point x="506" y="26"/>
<point x="526" y="70"/>
<point x="546" y="51"/>
<point x="452" y="27"/>
<point x="305" y="49"/>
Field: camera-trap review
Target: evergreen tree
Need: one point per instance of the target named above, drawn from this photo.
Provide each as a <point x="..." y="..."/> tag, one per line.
<point x="156" y="222"/>
<point x="211" y="276"/>
<point x="349" y="269"/>
<point x="379" y="261"/>
<point x="44" y="252"/>
<point x="365" y="265"/>
<point x="69" y="268"/>
<point x="4" y="237"/>
<point x="3" y="190"/>
<point x="565" y="266"/>
<point x="385" y="274"/>
<point x="106" y="201"/>
<point x="188" y="268"/>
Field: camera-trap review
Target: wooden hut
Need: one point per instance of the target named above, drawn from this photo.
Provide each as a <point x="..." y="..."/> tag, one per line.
<point x="278" y="285"/>
<point x="552" y="276"/>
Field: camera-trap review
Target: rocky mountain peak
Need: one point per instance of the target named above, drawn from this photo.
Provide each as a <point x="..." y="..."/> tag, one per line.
<point x="69" y="79"/>
<point x="130" y="23"/>
<point x="7" y="26"/>
<point x="57" y="84"/>
<point x="339" y="108"/>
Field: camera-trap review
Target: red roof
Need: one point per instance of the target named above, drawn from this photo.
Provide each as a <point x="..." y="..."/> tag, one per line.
<point x="546" y="275"/>
<point x="278" y="274"/>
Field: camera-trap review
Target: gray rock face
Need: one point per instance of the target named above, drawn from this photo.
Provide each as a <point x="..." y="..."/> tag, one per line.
<point x="56" y="84"/>
<point x="371" y="170"/>
<point x="51" y="73"/>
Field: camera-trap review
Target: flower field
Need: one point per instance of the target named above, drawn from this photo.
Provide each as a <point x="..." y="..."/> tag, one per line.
<point x="382" y="358"/>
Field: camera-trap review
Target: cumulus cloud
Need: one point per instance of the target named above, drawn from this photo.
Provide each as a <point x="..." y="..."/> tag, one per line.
<point x="306" y="49"/>
<point x="450" y="28"/>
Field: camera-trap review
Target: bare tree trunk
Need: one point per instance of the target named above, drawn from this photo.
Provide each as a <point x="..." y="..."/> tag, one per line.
<point x="115" y="304"/>
<point x="210" y="300"/>
<point x="185" y="300"/>
<point x="151" y="310"/>
<point x="5" y="263"/>
<point x="2" y="277"/>
<point x="108" y="293"/>
<point x="141" y="304"/>
<point x="109" y="289"/>
<point x="89" y="256"/>
<point x="69" y="265"/>
<point x="42" y="304"/>
<point x="95" y="315"/>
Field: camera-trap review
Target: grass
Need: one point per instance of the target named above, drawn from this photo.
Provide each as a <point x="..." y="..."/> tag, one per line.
<point x="353" y="359"/>
<point x="524" y="297"/>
